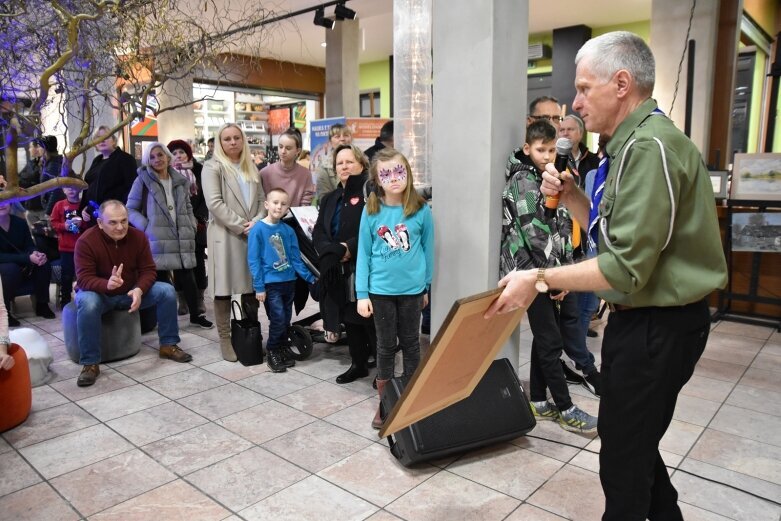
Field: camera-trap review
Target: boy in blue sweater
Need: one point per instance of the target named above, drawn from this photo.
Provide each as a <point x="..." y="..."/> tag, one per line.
<point x="274" y="260"/>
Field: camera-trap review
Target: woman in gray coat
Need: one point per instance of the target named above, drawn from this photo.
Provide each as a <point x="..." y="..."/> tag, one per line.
<point x="159" y="205"/>
<point x="234" y="196"/>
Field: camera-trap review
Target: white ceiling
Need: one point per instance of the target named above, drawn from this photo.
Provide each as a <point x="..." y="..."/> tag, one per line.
<point x="299" y="40"/>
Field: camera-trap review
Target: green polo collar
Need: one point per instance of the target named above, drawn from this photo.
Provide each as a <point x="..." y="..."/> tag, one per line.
<point x="628" y="127"/>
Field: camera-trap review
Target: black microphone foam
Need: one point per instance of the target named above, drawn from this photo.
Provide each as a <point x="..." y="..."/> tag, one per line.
<point x="563" y="149"/>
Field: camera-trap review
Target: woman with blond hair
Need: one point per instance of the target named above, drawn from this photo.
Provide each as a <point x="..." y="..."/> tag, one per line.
<point x="234" y="196"/>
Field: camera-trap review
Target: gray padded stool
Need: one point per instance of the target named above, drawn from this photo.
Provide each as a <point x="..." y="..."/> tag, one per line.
<point x="120" y="334"/>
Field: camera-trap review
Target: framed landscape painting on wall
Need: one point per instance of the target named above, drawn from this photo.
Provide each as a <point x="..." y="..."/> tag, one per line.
<point x="756" y="177"/>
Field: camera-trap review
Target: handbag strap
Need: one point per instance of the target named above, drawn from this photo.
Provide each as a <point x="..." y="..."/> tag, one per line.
<point x="233" y="310"/>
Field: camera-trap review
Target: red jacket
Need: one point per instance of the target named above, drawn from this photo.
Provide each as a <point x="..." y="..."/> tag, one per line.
<point x="96" y="255"/>
<point x="62" y="211"/>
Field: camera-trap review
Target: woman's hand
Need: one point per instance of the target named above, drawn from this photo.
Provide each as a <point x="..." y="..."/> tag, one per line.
<point x="365" y="308"/>
<point x="347" y="255"/>
<point x="6" y="361"/>
<point x="248" y="226"/>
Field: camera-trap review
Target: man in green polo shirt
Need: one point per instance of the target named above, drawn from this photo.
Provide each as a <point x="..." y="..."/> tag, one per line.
<point x="659" y="256"/>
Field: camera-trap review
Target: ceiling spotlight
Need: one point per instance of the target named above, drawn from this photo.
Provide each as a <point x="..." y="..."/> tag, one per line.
<point x="322" y="21"/>
<point x="344" y="13"/>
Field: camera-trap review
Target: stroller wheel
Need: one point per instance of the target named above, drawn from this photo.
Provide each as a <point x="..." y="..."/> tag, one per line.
<point x="300" y="342"/>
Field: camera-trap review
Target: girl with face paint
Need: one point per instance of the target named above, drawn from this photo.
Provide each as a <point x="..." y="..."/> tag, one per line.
<point x="395" y="264"/>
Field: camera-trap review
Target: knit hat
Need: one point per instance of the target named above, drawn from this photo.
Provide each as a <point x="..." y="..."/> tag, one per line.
<point x="179" y="144"/>
<point x="49" y="143"/>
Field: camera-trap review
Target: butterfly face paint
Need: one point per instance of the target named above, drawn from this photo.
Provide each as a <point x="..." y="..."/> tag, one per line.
<point x="396" y="174"/>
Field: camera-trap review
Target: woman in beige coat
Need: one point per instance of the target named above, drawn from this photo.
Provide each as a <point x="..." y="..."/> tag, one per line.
<point x="234" y="196"/>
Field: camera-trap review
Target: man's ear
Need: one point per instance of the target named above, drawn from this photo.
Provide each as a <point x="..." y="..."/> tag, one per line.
<point x="624" y="83"/>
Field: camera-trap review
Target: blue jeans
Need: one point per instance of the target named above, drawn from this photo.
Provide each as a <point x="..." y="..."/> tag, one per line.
<point x="589" y="303"/>
<point x="279" y="309"/>
<point x="90" y="307"/>
<point x="397" y="319"/>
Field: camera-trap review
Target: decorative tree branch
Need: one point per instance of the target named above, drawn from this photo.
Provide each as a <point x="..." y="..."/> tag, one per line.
<point x="78" y="57"/>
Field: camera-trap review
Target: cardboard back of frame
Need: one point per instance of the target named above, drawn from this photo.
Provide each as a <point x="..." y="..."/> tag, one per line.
<point x="460" y="355"/>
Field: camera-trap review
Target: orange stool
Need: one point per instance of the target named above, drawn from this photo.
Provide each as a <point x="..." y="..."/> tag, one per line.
<point x="16" y="394"/>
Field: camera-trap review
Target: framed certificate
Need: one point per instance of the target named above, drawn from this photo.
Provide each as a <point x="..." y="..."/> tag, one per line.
<point x="718" y="179"/>
<point x="460" y="354"/>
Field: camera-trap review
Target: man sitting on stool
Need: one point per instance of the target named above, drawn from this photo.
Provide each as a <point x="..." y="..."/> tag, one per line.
<point x="115" y="270"/>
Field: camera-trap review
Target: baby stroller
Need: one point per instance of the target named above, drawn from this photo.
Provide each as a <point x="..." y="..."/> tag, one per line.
<point x="301" y="337"/>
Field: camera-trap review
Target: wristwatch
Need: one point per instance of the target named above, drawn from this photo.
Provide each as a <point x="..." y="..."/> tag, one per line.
<point x="541" y="285"/>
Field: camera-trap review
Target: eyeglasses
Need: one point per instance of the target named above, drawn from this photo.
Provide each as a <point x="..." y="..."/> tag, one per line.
<point x="552" y="119"/>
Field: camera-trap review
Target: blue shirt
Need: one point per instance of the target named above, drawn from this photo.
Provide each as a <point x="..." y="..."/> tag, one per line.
<point x="395" y="253"/>
<point x="274" y="256"/>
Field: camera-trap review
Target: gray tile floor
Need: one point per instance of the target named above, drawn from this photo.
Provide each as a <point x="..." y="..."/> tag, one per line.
<point x="212" y="440"/>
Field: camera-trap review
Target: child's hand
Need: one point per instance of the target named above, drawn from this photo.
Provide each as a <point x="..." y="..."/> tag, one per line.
<point x="425" y="299"/>
<point x="365" y="308"/>
<point x="559" y="296"/>
<point x="261" y="296"/>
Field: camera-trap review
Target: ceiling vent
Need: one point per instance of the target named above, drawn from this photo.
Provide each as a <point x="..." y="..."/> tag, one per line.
<point x="539" y="51"/>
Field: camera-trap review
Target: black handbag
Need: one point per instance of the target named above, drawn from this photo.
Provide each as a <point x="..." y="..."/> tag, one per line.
<point x="246" y="339"/>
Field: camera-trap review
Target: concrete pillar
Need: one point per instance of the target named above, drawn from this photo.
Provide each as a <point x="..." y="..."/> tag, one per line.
<point x="341" y="70"/>
<point x="177" y="123"/>
<point x="64" y="119"/>
<point x="480" y="54"/>
<point x="669" y="21"/>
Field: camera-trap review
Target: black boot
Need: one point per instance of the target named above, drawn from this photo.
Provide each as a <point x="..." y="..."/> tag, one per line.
<point x="352" y="374"/>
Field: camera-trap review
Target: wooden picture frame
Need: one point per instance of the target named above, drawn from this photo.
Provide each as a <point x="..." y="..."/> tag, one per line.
<point x="756" y="177"/>
<point x="718" y="179"/>
<point x="460" y="354"/>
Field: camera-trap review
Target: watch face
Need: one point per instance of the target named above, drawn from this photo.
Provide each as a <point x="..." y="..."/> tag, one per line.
<point x="541" y="286"/>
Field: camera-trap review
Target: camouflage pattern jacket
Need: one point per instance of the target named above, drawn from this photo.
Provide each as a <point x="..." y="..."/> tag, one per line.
<point x="529" y="239"/>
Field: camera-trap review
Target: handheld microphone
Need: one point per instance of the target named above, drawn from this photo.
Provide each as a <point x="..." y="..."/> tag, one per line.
<point x="563" y="149"/>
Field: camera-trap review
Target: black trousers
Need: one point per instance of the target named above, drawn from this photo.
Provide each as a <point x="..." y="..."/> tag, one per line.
<point x="648" y="355"/>
<point x="200" y="267"/>
<point x="13" y="280"/>
<point x="185" y="282"/>
<point x="547" y="344"/>
<point x="362" y="341"/>
<point x="66" y="278"/>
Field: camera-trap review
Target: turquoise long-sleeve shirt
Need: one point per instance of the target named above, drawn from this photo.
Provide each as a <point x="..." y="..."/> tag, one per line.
<point x="274" y="256"/>
<point x="395" y="253"/>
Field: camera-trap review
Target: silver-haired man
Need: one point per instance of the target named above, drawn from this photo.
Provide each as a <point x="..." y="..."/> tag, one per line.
<point x="659" y="256"/>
